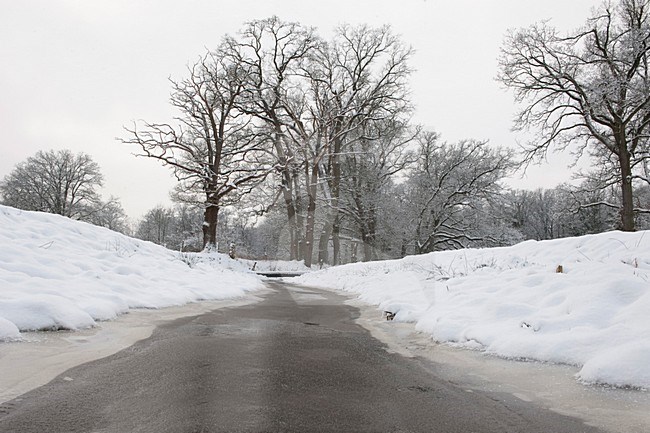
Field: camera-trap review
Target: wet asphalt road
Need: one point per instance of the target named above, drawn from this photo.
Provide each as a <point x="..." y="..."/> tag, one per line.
<point x="295" y="362"/>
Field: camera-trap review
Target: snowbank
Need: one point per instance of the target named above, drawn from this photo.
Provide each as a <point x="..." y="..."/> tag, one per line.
<point x="516" y="302"/>
<point x="56" y="273"/>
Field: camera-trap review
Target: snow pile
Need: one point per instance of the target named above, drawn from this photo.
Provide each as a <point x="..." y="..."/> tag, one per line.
<point x="583" y="301"/>
<point x="56" y="273"/>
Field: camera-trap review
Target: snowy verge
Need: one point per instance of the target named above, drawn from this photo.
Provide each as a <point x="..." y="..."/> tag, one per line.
<point x="56" y="273"/>
<point x="516" y="302"/>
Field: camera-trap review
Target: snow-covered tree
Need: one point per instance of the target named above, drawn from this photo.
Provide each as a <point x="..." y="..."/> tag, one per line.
<point x="449" y="191"/>
<point x="110" y="214"/>
<point x="176" y="227"/>
<point x="588" y="91"/>
<point x="360" y="83"/>
<point x="58" y="182"/>
<point x="156" y="225"/>
<point x="272" y="52"/>
<point x="370" y="164"/>
<point x="558" y="212"/>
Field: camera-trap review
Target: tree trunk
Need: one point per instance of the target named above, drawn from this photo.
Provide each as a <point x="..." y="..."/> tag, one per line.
<point x="336" y="192"/>
<point x="291" y="216"/>
<point x="369" y="250"/>
<point x="402" y="252"/>
<point x="336" y="242"/>
<point x="299" y="216"/>
<point x="627" y="210"/>
<point x="210" y="220"/>
<point x="311" y="216"/>
<point x="372" y="236"/>
<point x="287" y="191"/>
<point x="323" y="244"/>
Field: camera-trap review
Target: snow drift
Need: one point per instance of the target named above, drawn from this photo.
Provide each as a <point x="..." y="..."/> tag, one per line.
<point x="56" y="273"/>
<point x="582" y="301"/>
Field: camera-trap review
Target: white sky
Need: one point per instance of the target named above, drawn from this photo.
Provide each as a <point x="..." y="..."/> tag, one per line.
<point x="73" y="72"/>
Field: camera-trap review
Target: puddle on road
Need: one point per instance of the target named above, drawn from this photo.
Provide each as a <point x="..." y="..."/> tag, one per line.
<point x="305" y="297"/>
<point x="550" y="386"/>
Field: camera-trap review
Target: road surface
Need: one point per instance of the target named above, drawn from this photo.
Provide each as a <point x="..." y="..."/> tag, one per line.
<point x="295" y="362"/>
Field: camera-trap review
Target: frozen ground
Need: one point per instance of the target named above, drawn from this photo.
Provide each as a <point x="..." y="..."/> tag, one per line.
<point x="579" y="301"/>
<point x="56" y="273"/>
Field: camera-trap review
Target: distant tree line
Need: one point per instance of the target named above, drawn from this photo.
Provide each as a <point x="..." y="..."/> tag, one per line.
<point x="448" y="196"/>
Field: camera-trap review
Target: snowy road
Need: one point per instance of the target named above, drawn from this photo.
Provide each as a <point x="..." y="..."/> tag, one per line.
<point x="295" y="362"/>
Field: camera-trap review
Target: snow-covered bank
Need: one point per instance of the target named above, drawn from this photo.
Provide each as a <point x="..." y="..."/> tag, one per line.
<point x="56" y="273"/>
<point x="514" y="302"/>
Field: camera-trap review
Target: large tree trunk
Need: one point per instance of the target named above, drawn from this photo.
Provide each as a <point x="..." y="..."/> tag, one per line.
<point x="297" y="202"/>
<point x="367" y="247"/>
<point x="311" y="215"/>
<point x="323" y="244"/>
<point x="287" y="191"/>
<point x="331" y="227"/>
<point x="210" y="220"/>
<point x="336" y="192"/>
<point x="627" y="210"/>
<point x="369" y="235"/>
<point x="336" y="242"/>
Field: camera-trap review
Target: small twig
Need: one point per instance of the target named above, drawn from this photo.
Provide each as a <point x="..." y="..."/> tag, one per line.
<point x="622" y="243"/>
<point x="640" y="239"/>
<point x="585" y="256"/>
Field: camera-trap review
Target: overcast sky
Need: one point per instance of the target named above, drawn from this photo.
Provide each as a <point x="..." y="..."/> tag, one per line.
<point x="73" y="72"/>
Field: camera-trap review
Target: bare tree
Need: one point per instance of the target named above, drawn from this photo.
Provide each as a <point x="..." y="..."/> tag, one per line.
<point x="359" y="86"/>
<point x="589" y="90"/>
<point x="110" y="214"/>
<point x="156" y="225"/>
<point x="214" y="152"/>
<point x="370" y="163"/>
<point x="448" y="190"/>
<point x="178" y="228"/>
<point x="312" y="99"/>
<point x="271" y="51"/>
<point x="58" y="182"/>
<point x="559" y="212"/>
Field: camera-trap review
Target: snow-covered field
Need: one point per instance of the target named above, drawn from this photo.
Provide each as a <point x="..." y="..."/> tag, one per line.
<point x="515" y="302"/>
<point x="56" y="273"/>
